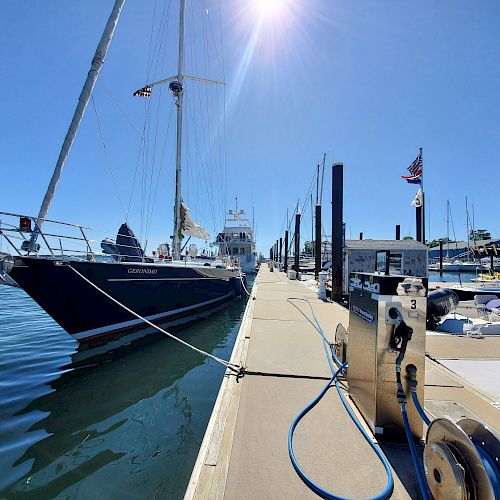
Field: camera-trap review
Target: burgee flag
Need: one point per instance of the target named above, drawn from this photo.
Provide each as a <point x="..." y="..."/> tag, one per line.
<point x="417" y="201"/>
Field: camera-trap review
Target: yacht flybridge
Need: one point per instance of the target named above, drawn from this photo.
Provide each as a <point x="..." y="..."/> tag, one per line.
<point x="237" y="240"/>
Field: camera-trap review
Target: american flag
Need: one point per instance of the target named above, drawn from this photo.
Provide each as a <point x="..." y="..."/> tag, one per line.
<point x="415" y="170"/>
<point x="144" y="92"/>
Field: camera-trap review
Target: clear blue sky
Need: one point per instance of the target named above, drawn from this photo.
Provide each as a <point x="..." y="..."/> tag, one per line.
<point x="367" y="82"/>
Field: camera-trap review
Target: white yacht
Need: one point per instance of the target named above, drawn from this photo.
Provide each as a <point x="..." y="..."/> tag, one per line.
<point x="237" y="240"/>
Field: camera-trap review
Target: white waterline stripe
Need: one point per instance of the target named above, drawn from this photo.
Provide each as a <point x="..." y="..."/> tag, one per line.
<point x="124" y="324"/>
<point x="170" y="279"/>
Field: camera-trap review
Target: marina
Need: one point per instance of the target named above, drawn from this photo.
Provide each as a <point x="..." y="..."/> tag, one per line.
<point x="186" y="308"/>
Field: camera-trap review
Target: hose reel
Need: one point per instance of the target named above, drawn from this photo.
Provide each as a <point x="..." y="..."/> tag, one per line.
<point x="340" y="345"/>
<point x="462" y="460"/>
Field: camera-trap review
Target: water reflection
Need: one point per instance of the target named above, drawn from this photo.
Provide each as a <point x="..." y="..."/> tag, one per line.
<point x="130" y="427"/>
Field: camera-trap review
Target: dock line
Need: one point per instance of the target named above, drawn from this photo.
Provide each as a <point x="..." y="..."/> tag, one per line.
<point x="243" y="284"/>
<point x="330" y="353"/>
<point x="236" y="369"/>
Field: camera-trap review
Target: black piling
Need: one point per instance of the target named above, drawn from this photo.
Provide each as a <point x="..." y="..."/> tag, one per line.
<point x="398" y="232"/>
<point x="296" y="267"/>
<point x="285" y="267"/>
<point x="337" y="230"/>
<point x="317" y="243"/>
<point x="418" y="223"/>
<point x="360" y="236"/>
<point x="281" y="250"/>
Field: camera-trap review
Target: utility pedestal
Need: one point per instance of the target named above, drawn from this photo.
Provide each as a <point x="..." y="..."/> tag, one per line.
<point x="379" y="304"/>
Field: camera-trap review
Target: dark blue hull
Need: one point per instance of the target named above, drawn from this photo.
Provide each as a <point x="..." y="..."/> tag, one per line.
<point x="161" y="293"/>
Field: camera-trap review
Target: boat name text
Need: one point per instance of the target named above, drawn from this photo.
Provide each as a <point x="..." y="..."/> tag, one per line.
<point x="142" y="271"/>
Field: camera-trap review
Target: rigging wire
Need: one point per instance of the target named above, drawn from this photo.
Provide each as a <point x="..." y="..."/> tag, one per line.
<point x="203" y="169"/>
<point x="148" y="209"/>
<point x="224" y="159"/>
<point x="210" y="106"/>
<point x="108" y="161"/>
<point x="160" y="170"/>
<point x="120" y="108"/>
<point x="146" y="157"/>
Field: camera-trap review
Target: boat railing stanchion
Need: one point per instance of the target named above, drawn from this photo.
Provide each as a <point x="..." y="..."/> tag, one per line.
<point x="89" y="248"/>
<point x="39" y="231"/>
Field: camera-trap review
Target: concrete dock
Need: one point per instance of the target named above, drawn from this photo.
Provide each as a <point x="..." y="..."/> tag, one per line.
<point x="244" y="453"/>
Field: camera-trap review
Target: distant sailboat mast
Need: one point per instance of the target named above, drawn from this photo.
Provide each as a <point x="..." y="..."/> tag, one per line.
<point x="447" y="229"/>
<point x="88" y="87"/>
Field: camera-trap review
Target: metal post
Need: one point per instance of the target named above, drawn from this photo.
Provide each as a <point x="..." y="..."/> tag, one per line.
<point x="337" y="230"/>
<point x="317" y="241"/>
<point x="281" y="249"/>
<point x="296" y="266"/>
<point x="285" y="267"/>
<point x="398" y="232"/>
<point x="441" y="257"/>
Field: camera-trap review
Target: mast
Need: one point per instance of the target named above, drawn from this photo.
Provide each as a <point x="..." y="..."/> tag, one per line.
<point x="448" y="229"/>
<point x="467" y="229"/>
<point x="178" y="93"/>
<point x="97" y="62"/>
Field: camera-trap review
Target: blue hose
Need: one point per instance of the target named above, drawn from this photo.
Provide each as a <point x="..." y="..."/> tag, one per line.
<point x="491" y="470"/>
<point x="330" y="353"/>
<point x="419" y="408"/>
<point x="413" y="450"/>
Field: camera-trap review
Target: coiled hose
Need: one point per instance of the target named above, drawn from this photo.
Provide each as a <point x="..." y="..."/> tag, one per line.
<point x="330" y="355"/>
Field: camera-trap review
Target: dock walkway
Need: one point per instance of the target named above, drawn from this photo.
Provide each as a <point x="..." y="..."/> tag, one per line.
<point x="244" y="453"/>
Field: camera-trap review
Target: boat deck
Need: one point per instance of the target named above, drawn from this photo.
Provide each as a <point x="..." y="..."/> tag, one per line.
<point x="244" y="453"/>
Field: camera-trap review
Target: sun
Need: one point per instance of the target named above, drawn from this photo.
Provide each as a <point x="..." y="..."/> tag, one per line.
<point x="270" y="8"/>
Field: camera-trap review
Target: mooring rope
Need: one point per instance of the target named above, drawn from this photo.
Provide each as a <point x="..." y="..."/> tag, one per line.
<point x="238" y="370"/>
<point x="243" y="284"/>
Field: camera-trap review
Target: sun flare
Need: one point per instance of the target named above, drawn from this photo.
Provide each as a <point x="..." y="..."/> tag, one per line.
<point x="270" y="8"/>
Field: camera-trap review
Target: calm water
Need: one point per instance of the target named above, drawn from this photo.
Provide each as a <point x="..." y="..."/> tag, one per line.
<point x="128" y="428"/>
<point x="451" y="277"/>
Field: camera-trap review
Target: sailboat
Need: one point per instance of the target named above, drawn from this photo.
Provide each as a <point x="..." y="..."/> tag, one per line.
<point x="458" y="263"/>
<point x="94" y="297"/>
